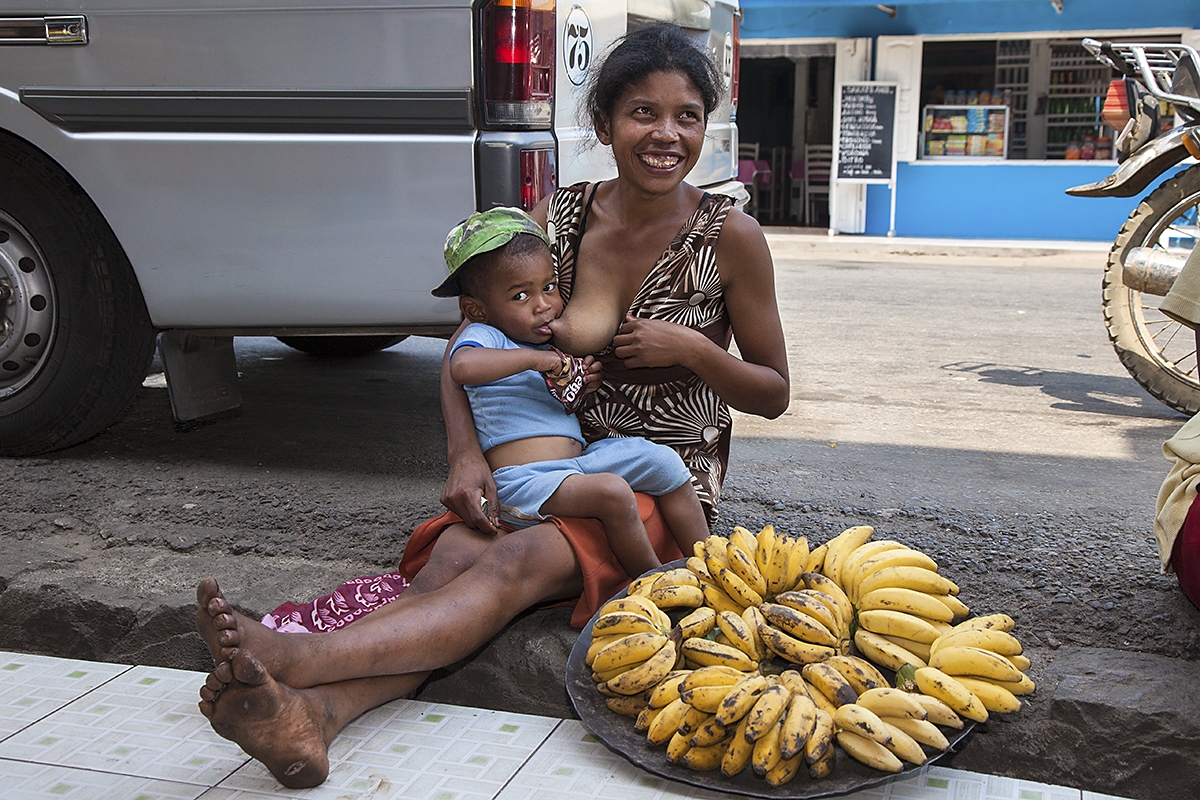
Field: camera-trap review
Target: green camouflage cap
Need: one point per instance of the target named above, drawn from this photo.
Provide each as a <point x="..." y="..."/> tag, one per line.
<point x="482" y="232"/>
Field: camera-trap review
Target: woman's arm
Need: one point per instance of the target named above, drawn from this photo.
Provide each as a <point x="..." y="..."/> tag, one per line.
<point x="470" y="478"/>
<point x="757" y="383"/>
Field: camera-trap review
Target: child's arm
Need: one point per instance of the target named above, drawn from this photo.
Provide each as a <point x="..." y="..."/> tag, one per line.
<point x="472" y="365"/>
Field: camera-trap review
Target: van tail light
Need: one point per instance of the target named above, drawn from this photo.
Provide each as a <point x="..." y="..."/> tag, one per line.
<point x="539" y="176"/>
<point x="737" y="65"/>
<point x="1115" y="112"/>
<point x="518" y="62"/>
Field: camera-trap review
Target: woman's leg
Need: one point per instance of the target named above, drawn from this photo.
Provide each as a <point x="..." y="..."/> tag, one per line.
<point x="432" y="628"/>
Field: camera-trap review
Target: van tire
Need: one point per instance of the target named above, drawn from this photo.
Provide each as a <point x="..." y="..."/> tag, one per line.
<point x="340" y="346"/>
<point x="80" y="339"/>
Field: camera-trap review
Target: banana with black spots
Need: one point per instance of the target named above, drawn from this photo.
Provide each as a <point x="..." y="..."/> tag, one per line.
<point x="830" y="683"/>
<point x="934" y="682"/>
<point x="789" y="648"/>
<point x="646" y="674"/>
<point x="869" y="752"/>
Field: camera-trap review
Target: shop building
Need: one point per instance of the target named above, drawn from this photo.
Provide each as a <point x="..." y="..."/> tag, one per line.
<point x="997" y="110"/>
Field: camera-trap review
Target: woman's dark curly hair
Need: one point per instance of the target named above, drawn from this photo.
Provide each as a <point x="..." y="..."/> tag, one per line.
<point x="659" y="47"/>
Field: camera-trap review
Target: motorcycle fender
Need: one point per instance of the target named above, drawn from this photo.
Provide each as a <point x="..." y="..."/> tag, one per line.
<point x="1142" y="167"/>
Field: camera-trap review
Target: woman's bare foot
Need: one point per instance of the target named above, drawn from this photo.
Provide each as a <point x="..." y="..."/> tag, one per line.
<point x="225" y="631"/>
<point x="281" y="727"/>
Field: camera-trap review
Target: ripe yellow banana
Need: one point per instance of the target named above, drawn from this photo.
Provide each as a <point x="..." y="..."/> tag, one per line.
<point x="806" y="601"/>
<point x="742" y="564"/>
<point x="623" y="622"/>
<point x="896" y="598"/>
<point x="741" y="698"/>
<point x="628" y="651"/>
<point x="714" y="555"/>
<point x="820" y="739"/>
<point x="1020" y="662"/>
<point x="677" y="747"/>
<point x="819" y="699"/>
<point x="704" y="653"/>
<point x="641" y="585"/>
<point x="708" y="734"/>
<point x="626" y="706"/>
<point x="744" y="539"/>
<point x="776" y="568"/>
<point x="849" y="568"/>
<point x="886" y="654"/>
<point x="716" y="599"/>
<point x="767" y="710"/>
<point x="817" y="581"/>
<point x="999" y="622"/>
<point x="698" y="623"/>
<point x="737" y="752"/>
<point x="994" y="698"/>
<point x="957" y="607"/>
<point x="598" y="644"/>
<point x="602" y="678"/>
<point x="858" y="672"/>
<point x="766" y="547"/>
<point x="973" y="661"/>
<point x="997" y="641"/>
<point x="635" y="604"/>
<point x="829" y="682"/>
<point x="704" y="759"/>
<point x="785" y="770"/>
<point x="706" y="698"/>
<point x="738" y="632"/>
<point x="922" y="731"/>
<point x="904" y="746"/>
<point x="667" y="690"/>
<point x="644" y="718"/>
<point x="797" y="563"/>
<point x="907" y="577"/>
<point x="898" y="623"/>
<point x="842" y="546"/>
<point x="695" y="565"/>
<point x="918" y="649"/>
<point x="886" y="702"/>
<point x="853" y="717"/>
<point x="753" y="618"/>
<point x="789" y="648"/>
<point x="934" y="682"/>
<point x="1022" y="687"/>
<point x="676" y="595"/>
<point x="823" y="766"/>
<point x="679" y="576"/>
<point x="816" y="559"/>
<point x="741" y="592"/>
<point x="766" y="753"/>
<point x="798" y="722"/>
<point x="666" y="724"/>
<point x="646" y="674"/>
<point x="869" y="752"/>
<point x="798" y="624"/>
<point x="938" y="712"/>
<point x="716" y="675"/>
<point x="901" y="557"/>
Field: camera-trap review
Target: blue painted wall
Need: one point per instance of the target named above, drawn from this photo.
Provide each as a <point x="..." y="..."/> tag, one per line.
<point x="829" y="18"/>
<point x="1004" y="200"/>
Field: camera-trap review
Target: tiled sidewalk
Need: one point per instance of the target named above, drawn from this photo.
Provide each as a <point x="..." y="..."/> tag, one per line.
<point x="86" y="731"/>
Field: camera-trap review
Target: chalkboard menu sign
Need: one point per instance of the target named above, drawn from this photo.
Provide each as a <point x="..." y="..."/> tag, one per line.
<point x="866" y="125"/>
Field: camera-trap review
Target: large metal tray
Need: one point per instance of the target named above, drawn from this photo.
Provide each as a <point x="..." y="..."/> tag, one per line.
<point x="617" y="733"/>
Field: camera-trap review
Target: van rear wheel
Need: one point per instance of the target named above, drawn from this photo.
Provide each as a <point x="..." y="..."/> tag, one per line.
<point x="75" y="337"/>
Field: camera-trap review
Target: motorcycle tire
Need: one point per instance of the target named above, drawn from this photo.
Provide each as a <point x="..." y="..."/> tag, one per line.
<point x="1159" y="352"/>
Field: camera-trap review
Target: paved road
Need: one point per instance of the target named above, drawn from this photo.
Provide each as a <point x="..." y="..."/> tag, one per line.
<point x="963" y="399"/>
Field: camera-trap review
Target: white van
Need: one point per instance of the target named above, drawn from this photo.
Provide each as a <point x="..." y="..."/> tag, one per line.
<point x="204" y="169"/>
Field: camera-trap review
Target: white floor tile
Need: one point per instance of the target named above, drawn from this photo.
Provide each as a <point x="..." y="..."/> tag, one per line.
<point x="26" y="781"/>
<point x="1098" y="796"/>
<point x="409" y="749"/>
<point x="143" y="722"/>
<point x="33" y="686"/>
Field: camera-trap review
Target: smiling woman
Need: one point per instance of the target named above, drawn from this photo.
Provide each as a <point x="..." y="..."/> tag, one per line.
<point x="658" y="278"/>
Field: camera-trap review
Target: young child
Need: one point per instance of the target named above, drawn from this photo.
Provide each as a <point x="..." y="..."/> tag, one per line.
<point x="501" y="271"/>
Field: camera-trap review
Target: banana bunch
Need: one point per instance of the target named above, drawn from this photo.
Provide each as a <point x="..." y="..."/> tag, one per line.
<point x="977" y="667"/>
<point x="746" y="569"/>
<point x="631" y="649"/>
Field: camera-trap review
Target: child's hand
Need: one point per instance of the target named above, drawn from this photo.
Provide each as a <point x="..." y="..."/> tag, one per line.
<point x="567" y="381"/>
<point x="594" y="375"/>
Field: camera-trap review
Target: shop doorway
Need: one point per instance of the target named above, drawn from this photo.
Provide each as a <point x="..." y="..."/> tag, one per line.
<point x="785" y="117"/>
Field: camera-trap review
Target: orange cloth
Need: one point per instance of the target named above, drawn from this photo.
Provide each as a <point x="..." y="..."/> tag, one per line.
<point x="602" y="573"/>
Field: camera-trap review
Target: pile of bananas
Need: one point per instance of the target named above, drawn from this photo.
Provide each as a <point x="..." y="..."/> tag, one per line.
<point x="712" y="690"/>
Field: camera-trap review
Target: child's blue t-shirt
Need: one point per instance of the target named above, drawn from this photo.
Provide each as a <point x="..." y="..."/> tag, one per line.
<point x="517" y="407"/>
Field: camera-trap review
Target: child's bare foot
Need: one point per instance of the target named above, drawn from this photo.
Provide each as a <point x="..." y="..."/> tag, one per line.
<point x="281" y="727"/>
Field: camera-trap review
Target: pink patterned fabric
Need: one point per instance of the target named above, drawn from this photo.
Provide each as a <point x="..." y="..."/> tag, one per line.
<point x="348" y="602"/>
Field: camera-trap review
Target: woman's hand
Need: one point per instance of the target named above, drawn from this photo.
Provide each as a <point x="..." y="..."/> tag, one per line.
<point x="655" y="343"/>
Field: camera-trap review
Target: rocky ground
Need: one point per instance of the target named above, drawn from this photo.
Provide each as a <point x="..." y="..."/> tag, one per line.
<point x="1022" y="459"/>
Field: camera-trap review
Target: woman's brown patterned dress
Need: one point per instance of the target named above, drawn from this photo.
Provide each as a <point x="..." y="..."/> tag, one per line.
<point x="668" y="405"/>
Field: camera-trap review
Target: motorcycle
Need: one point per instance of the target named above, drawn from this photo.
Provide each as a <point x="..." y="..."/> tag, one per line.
<point x="1156" y="239"/>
